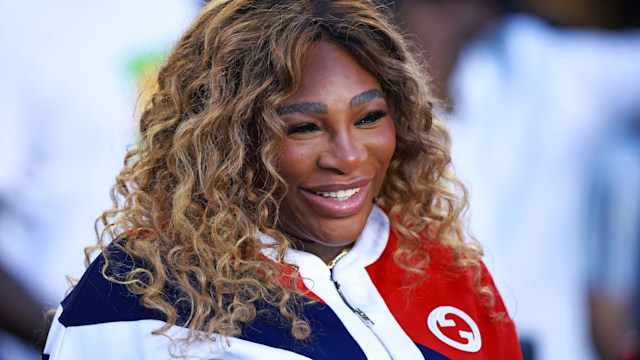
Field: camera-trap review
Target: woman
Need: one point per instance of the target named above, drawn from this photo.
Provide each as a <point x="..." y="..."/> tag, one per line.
<point x="290" y="198"/>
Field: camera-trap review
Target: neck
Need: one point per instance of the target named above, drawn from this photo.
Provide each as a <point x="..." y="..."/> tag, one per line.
<point x="324" y="252"/>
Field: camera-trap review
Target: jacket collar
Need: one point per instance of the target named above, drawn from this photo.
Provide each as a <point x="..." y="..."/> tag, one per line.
<point x="367" y="249"/>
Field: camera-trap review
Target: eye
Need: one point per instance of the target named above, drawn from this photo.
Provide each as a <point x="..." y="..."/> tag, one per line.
<point x="371" y="117"/>
<point x="302" y="129"/>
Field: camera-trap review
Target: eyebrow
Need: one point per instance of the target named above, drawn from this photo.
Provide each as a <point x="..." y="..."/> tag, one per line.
<point x="365" y="97"/>
<point x="322" y="108"/>
<point x="305" y="108"/>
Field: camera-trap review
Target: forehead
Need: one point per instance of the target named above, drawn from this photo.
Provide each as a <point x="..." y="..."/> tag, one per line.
<point x="331" y="72"/>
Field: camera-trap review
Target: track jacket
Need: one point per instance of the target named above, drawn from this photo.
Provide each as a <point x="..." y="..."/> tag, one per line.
<point x="364" y="312"/>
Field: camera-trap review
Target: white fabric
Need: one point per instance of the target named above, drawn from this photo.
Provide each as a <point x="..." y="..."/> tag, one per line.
<point x="530" y="104"/>
<point x="66" y="113"/>
<point x="88" y="342"/>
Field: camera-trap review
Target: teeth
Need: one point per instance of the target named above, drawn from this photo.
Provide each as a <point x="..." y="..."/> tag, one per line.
<point x="340" y="195"/>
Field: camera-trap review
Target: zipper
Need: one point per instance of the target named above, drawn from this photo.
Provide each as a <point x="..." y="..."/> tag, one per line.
<point x="365" y="319"/>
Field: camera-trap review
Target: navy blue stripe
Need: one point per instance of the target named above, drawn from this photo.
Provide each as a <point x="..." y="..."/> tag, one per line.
<point x="96" y="300"/>
<point x="430" y="354"/>
<point x="329" y="338"/>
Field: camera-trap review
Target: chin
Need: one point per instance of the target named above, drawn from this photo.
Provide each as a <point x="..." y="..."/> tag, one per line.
<point x="339" y="235"/>
<point x="323" y="230"/>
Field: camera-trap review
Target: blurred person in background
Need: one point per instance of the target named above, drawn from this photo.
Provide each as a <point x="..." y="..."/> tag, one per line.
<point x="69" y="76"/>
<point x="529" y="106"/>
<point x="613" y="234"/>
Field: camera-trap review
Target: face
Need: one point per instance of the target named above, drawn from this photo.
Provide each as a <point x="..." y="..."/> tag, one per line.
<point x="339" y="142"/>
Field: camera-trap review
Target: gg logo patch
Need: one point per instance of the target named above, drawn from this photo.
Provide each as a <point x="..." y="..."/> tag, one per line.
<point x="438" y="319"/>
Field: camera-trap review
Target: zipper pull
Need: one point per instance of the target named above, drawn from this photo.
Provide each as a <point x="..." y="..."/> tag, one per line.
<point x="365" y="319"/>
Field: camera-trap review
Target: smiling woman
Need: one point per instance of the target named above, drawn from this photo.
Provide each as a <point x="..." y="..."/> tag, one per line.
<point x="290" y="197"/>
<point x="339" y="143"/>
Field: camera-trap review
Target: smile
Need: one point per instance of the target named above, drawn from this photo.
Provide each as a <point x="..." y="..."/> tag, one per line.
<point x="340" y="195"/>
<point x="339" y="201"/>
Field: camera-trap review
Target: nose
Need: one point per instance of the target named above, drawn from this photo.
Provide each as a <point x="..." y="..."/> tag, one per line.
<point x="343" y="153"/>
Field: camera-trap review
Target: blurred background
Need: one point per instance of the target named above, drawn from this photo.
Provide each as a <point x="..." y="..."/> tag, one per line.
<point x="542" y="99"/>
<point x="70" y="77"/>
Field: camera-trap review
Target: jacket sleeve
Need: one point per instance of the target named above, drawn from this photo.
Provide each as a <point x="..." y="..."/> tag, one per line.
<point x="134" y="340"/>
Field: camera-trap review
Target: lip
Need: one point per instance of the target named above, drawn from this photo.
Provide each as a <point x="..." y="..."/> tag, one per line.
<point x="335" y="208"/>
<point x="337" y="187"/>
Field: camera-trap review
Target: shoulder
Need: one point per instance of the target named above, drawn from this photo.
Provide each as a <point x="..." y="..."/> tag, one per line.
<point x="440" y="273"/>
<point x="96" y="299"/>
<point x="102" y="319"/>
<point x="445" y="311"/>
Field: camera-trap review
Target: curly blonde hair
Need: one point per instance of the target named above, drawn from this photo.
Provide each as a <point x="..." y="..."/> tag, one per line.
<point x="201" y="180"/>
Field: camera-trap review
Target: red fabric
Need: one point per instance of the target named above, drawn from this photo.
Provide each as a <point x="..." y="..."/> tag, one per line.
<point x="299" y="282"/>
<point x="301" y="286"/>
<point x="445" y="285"/>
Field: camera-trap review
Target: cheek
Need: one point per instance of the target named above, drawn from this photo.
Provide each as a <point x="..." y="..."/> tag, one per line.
<point x="383" y="151"/>
<point x="385" y="145"/>
<point x="293" y="160"/>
